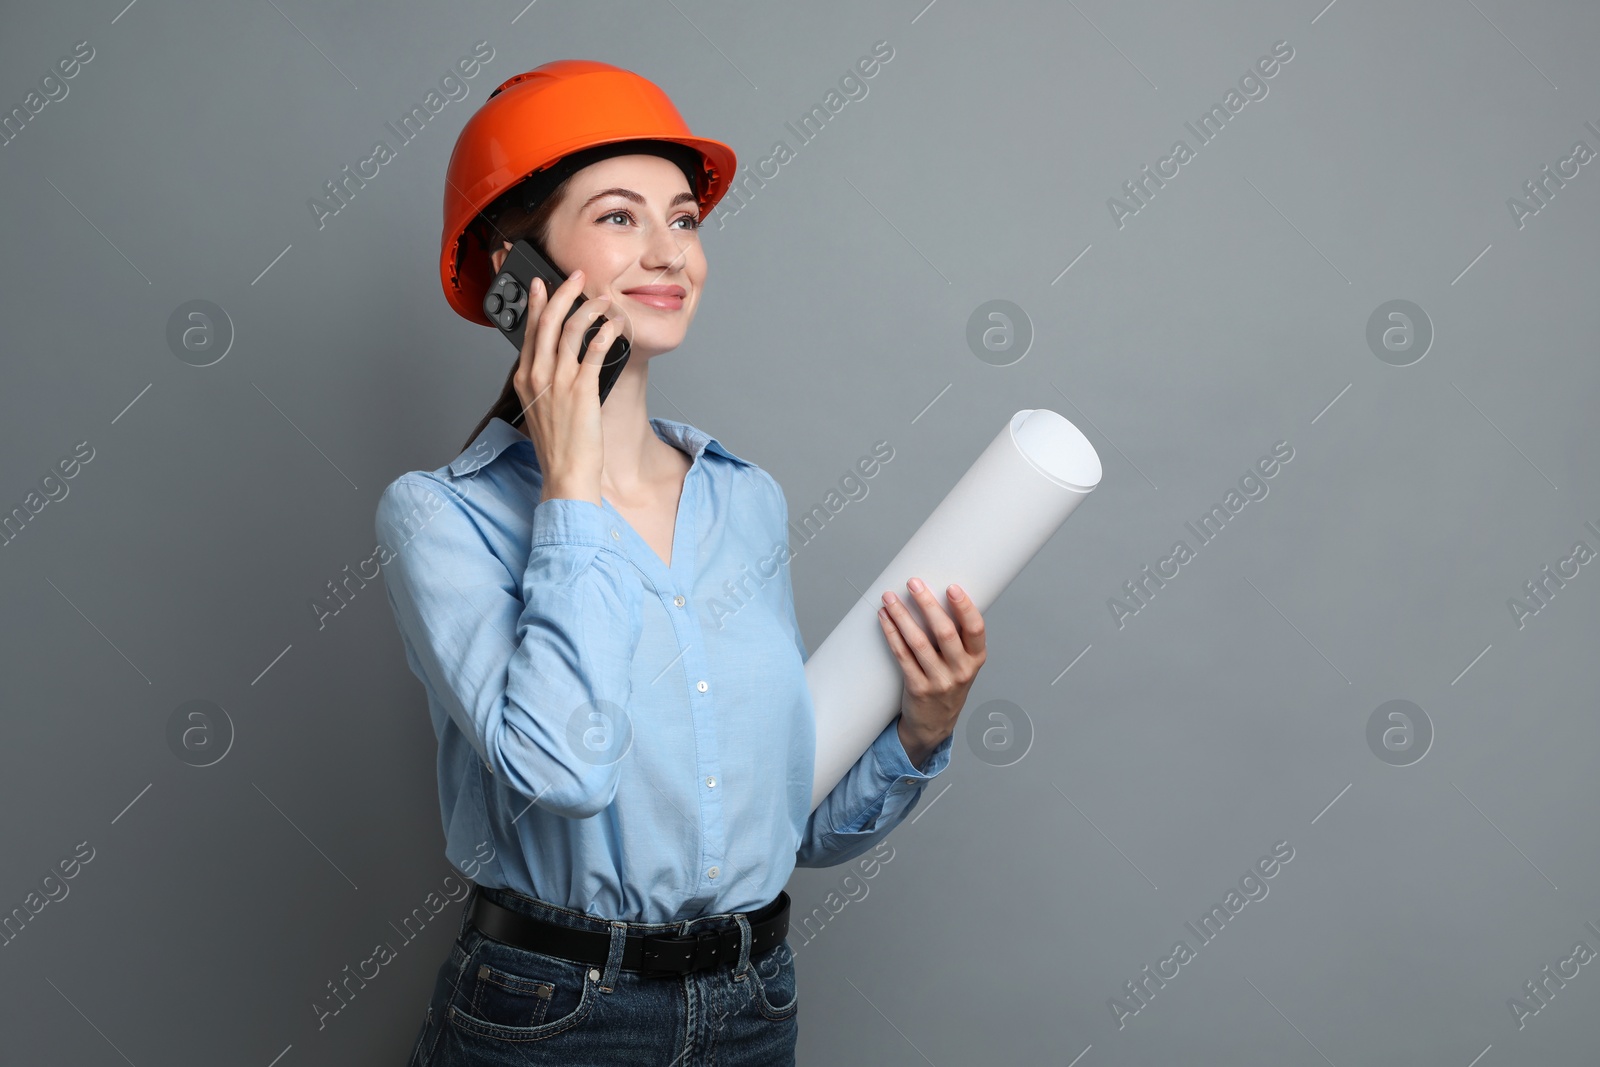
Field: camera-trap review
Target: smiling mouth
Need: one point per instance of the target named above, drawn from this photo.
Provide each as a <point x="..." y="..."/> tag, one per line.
<point x="664" y="301"/>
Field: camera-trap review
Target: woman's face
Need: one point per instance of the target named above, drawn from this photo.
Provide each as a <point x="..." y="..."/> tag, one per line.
<point x="630" y="224"/>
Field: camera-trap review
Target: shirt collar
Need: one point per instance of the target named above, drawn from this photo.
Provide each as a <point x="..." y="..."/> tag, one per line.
<point x="499" y="435"/>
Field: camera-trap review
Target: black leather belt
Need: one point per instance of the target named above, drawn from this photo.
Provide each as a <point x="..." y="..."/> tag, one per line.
<point x="650" y="953"/>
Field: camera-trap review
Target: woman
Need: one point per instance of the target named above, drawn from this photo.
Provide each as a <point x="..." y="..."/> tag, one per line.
<point x="599" y="608"/>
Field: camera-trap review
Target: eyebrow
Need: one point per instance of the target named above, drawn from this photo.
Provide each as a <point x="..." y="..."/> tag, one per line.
<point x="629" y="194"/>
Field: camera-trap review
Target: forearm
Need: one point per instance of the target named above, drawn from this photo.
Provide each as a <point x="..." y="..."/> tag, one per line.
<point x="918" y="748"/>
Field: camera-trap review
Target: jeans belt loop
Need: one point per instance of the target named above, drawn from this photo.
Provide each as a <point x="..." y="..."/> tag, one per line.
<point x="619" y="942"/>
<point x="744" y="947"/>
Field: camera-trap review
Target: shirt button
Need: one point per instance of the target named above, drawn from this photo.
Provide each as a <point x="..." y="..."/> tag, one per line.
<point x="678" y="600"/>
<point x="713" y="872"/>
<point x="701" y="685"/>
<point x="711" y="782"/>
<point x="594" y="974"/>
<point x="614" y="535"/>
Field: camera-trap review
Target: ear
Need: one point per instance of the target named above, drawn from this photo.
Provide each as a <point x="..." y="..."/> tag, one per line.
<point x="498" y="256"/>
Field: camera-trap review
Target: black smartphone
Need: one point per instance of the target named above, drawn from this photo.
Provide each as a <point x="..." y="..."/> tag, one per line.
<point x="506" y="305"/>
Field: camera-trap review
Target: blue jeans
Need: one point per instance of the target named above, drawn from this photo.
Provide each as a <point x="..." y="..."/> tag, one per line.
<point x="494" y="1004"/>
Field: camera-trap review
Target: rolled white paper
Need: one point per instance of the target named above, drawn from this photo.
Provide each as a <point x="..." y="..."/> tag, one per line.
<point x="1005" y="507"/>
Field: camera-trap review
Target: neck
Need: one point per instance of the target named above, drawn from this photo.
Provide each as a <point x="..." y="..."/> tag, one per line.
<point x="636" y="460"/>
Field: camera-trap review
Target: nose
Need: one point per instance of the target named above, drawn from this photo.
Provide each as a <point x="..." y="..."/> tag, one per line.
<point x="665" y="250"/>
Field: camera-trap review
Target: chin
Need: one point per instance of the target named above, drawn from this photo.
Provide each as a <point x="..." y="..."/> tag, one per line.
<point x="656" y="342"/>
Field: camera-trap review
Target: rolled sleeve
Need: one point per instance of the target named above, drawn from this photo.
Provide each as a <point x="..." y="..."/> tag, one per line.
<point x="895" y="762"/>
<point x="874" y="797"/>
<point x="564" y="521"/>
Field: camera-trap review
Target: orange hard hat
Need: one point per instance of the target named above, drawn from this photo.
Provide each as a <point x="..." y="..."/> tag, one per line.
<point x="532" y="121"/>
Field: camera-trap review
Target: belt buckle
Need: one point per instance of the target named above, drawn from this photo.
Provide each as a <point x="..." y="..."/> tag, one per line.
<point x="707" y="944"/>
<point x="680" y="955"/>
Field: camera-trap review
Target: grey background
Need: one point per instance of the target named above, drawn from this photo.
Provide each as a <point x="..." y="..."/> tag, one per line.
<point x="1226" y="316"/>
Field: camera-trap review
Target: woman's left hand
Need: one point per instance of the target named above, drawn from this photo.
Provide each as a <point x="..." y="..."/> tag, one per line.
<point x="937" y="676"/>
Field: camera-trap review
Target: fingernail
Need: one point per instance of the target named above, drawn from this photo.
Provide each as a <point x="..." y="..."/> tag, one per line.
<point x="956" y="592"/>
<point x="915" y="585"/>
<point x="888" y="598"/>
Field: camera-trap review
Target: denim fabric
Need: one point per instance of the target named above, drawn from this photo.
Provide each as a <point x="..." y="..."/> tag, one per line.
<point x="494" y="1004"/>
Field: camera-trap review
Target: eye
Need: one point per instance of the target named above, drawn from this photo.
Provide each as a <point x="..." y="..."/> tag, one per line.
<point x="694" y="223"/>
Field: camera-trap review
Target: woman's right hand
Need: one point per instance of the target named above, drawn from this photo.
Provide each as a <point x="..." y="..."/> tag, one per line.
<point x="560" y="396"/>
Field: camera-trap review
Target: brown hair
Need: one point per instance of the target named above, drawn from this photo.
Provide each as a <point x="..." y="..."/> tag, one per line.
<point x="512" y="222"/>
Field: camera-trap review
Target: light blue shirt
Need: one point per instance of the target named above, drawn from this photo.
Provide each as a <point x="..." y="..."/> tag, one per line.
<point x="625" y="738"/>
